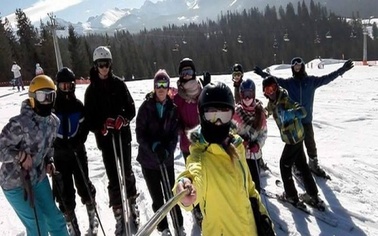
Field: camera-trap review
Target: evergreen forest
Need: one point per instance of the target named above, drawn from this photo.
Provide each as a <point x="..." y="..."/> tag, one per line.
<point x="251" y="37"/>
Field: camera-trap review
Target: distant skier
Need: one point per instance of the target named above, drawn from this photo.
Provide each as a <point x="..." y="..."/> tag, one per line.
<point x="16" y="69"/>
<point x="70" y="156"/>
<point x="301" y="88"/>
<point x="26" y="154"/>
<point x="38" y="69"/>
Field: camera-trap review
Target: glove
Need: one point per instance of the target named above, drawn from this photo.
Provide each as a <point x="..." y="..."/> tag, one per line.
<point x="260" y="72"/>
<point x="347" y="66"/>
<point x="206" y="79"/>
<point x="287" y="116"/>
<point x="120" y="121"/>
<point x="254" y="147"/>
<point x="160" y="151"/>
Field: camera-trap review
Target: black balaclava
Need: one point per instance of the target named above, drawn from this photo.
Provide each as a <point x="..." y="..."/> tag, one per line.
<point x="215" y="133"/>
<point x="43" y="109"/>
<point x="302" y="72"/>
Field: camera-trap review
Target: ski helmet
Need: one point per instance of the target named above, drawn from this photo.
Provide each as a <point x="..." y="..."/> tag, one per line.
<point x="187" y="62"/>
<point x="45" y="83"/>
<point x="102" y="53"/>
<point x="217" y="95"/>
<point x="237" y="68"/>
<point x="247" y="85"/>
<point x="65" y="75"/>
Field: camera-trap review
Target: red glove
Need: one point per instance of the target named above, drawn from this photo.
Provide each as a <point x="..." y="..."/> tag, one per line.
<point x="119" y="122"/>
<point x="254" y="148"/>
<point x="109" y="124"/>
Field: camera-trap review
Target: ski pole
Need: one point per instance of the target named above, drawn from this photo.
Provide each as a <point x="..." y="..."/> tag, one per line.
<point x="122" y="182"/>
<point x="25" y="177"/>
<point x="59" y="190"/>
<point x="168" y="194"/>
<point x="89" y="191"/>
<point x="161" y="213"/>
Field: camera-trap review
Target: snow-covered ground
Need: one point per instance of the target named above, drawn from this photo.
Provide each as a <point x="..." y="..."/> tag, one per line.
<point x="345" y="125"/>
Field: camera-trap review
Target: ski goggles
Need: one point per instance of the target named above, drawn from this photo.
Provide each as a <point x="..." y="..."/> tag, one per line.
<point x="102" y="64"/>
<point x="187" y="72"/>
<point x="214" y="115"/>
<point x="43" y="96"/>
<point x="161" y="84"/>
<point x="296" y="61"/>
<point x="237" y="73"/>
<point x="250" y="94"/>
<point x="270" y="89"/>
<point x="66" y="86"/>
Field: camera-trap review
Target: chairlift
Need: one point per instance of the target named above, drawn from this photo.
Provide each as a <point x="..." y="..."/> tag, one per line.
<point x="184" y="41"/>
<point x="353" y="34"/>
<point x="317" y="39"/>
<point x="328" y="35"/>
<point x="224" y="49"/>
<point x="176" y="47"/>
<point x="275" y="43"/>
<point x="286" y="37"/>
<point x="240" y="39"/>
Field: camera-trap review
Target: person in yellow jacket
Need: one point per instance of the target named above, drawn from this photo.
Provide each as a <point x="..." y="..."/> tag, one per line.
<point x="217" y="172"/>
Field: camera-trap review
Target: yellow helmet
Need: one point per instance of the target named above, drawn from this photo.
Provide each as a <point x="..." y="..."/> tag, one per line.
<point x="40" y="82"/>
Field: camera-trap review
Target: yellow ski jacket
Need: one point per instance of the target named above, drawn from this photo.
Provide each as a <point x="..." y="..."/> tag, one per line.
<point x="224" y="186"/>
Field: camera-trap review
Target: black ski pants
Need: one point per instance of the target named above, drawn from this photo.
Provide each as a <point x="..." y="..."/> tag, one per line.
<point x="65" y="161"/>
<point x="295" y="154"/>
<point x="154" y="182"/>
<point x="105" y="144"/>
<point x="254" y="170"/>
<point x="310" y="141"/>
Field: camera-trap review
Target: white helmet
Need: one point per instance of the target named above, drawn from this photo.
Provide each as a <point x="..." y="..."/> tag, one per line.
<point x="102" y="52"/>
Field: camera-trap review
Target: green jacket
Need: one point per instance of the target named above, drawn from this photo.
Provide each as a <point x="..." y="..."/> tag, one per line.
<point x="288" y="115"/>
<point x="223" y="186"/>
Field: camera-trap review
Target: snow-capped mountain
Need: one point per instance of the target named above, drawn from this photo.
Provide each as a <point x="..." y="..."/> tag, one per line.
<point x="155" y="15"/>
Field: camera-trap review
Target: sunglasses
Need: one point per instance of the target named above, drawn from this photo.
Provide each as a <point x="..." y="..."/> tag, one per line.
<point x="66" y="86"/>
<point x="214" y="115"/>
<point x="187" y="72"/>
<point x="250" y="94"/>
<point x="102" y="64"/>
<point x="44" y="96"/>
<point x="296" y="61"/>
<point x="239" y="74"/>
<point x="161" y="84"/>
<point x="270" y="89"/>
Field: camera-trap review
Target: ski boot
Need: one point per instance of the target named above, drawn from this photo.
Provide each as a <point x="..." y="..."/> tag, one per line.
<point x="120" y="229"/>
<point x="73" y="227"/>
<point x="134" y="212"/>
<point x="263" y="165"/>
<point x="93" y="221"/>
<point x="293" y="201"/>
<point x="313" y="201"/>
<point x="313" y="164"/>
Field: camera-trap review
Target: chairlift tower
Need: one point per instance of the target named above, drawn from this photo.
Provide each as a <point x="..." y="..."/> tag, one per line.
<point x="54" y="27"/>
<point x="364" y="54"/>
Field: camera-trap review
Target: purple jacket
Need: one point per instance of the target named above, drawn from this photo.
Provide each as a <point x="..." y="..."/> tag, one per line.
<point x="188" y="119"/>
<point x="151" y="128"/>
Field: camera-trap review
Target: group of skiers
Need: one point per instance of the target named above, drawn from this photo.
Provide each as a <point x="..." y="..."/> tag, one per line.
<point x="221" y="135"/>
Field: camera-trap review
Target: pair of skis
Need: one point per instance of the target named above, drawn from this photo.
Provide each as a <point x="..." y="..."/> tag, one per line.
<point x="322" y="214"/>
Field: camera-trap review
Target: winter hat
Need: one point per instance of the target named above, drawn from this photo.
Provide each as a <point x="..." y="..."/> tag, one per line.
<point x="268" y="81"/>
<point x="161" y="75"/>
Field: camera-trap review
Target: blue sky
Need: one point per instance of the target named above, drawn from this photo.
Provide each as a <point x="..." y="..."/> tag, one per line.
<point x="70" y="10"/>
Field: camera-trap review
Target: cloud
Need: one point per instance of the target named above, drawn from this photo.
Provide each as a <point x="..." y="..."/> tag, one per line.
<point x="40" y="9"/>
